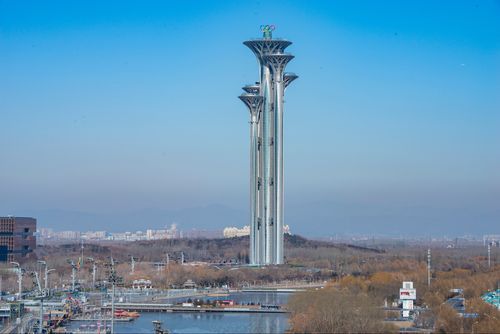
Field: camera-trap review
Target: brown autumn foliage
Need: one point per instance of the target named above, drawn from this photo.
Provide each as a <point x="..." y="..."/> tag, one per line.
<point x="331" y="310"/>
<point x="487" y="321"/>
<point x="309" y="316"/>
<point x="448" y="320"/>
<point x="489" y="317"/>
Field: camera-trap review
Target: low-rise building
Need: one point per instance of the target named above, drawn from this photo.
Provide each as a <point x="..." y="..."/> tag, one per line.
<point x="189" y="284"/>
<point x="234" y="232"/>
<point x="142" y="284"/>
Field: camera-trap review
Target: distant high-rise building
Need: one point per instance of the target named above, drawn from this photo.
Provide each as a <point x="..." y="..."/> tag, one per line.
<point x="264" y="100"/>
<point x="17" y="238"/>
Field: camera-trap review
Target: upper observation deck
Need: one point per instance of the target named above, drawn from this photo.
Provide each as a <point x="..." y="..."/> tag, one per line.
<point x="264" y="46"/>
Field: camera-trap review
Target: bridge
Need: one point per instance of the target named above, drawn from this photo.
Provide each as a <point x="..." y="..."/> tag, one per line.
<point x="150" y="307"/>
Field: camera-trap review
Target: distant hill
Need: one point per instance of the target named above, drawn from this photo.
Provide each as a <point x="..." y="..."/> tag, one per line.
<point x="211" y="250"/>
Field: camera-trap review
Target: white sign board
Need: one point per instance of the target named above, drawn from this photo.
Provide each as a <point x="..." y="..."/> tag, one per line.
<point x="407" y="285"/>
<point x="405" y="294"/>
<point x="407" y="304"/>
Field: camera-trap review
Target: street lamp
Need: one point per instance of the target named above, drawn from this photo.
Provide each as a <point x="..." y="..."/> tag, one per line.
<point x="20" y="274"/>
<point x="40" y="265"/>
<point x="47" y="272"/>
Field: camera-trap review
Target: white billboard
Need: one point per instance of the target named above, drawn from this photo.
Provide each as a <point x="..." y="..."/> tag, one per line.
<point x="407" y="294"/>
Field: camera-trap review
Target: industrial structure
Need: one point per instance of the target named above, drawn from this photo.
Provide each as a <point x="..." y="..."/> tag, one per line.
<point x="264" y="100"/>
<point x="17" y="238"/>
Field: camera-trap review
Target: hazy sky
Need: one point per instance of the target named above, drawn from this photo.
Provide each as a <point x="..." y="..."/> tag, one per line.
<point x="110" y="108"/>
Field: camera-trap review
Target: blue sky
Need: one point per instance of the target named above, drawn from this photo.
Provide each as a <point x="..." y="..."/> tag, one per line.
<point x="110" y="108"/>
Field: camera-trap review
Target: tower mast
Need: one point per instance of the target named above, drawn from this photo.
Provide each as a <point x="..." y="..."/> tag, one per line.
<point x="265" y="102"/>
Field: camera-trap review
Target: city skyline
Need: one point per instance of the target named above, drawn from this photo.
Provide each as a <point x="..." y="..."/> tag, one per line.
<point x="393" y="126"/>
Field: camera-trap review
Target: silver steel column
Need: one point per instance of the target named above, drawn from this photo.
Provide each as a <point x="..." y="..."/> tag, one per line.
<point x="278" y="62"/>
<point x="254" y="104"/>
<point x="267" y="156"/>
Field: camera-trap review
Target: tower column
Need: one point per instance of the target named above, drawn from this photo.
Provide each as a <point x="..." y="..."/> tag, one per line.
<point x="279" y="171"/>
<point x="267" y="161"/>
<point x="254" y="104"/>
<point x="278" y="62"/>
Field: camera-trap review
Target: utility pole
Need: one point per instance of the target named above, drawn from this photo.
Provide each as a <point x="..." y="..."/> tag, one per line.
<point x="73" y="278"/>
<point x="47" y="271"/>
<point x="132" y="265"/>
<point x="73" y="274"/>
<point x="81" y="258"/>
<point x="113" y="310"/>
<point x="36" y="281"/>
<point x="41" y="264"/>
<point x="94" y="270"/>
<point x="46" y="280"/>
<point x="489" y="255"/>
<point x="41" y="295"/>
<point x="159" y="267"/>
<point x="41" y="315"/>
<point x="113" y="279"/>
<point x="429" y="267"/>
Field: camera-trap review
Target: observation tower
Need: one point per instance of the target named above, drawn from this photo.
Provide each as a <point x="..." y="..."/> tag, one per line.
<point x="264" y="100"/>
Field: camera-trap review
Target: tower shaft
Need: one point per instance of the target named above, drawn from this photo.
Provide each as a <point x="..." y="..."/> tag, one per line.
<point x="268" y="164"/>
<point x="266" y="151"/>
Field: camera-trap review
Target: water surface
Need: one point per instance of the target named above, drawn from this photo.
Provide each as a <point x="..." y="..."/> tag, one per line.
<point x="214" y="322"/>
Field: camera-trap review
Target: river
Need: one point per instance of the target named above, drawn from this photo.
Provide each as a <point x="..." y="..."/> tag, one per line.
<point x="214" y="322"/>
